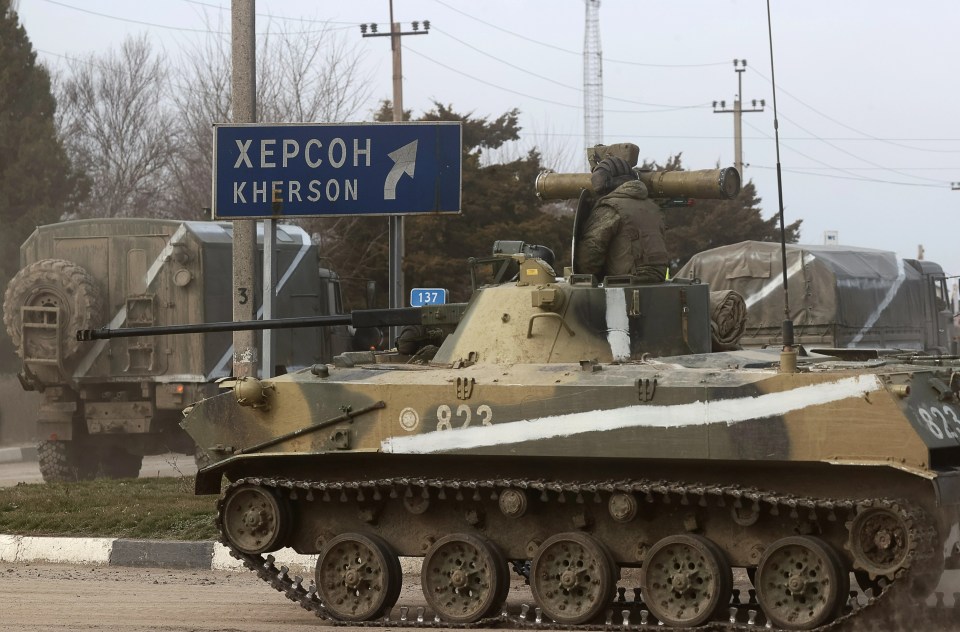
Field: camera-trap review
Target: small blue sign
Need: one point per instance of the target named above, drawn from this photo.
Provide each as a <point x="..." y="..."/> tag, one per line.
<point x="423" y="296"/>
<point x="307" y="170"/>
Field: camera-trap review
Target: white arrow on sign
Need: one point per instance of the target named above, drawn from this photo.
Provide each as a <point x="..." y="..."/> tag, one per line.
<point x="405" y="161"/>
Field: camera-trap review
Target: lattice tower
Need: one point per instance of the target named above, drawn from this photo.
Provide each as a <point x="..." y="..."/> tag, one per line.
<point x="592" y="76"/>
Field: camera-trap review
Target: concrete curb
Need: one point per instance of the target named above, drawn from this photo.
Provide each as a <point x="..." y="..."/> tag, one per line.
<point x="16" y="455"/>
<point x="149" y="554"/>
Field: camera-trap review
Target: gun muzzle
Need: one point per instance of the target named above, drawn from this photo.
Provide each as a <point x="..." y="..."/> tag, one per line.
<point x="704" y="184"/>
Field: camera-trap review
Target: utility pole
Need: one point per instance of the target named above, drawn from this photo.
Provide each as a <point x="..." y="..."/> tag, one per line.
<point x="244" y="106"/>
<point x="396" y="292"/>
<point x="739" y="65"/>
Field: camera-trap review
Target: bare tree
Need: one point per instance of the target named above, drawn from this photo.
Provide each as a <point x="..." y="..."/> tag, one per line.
<point x="202" y="100"/>
<point x="305" y="73"/>
<point x="120" y="130"/>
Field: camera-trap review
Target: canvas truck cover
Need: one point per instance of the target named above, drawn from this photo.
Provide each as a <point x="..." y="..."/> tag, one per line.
<point x="840" y="296"/>
<point x="166" y="272"/>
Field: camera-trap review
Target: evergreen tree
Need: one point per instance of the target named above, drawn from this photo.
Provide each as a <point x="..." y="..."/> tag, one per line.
<point x="711" y="223"/>
<point x="498" y="202"/>
<point x="37" y="182"/>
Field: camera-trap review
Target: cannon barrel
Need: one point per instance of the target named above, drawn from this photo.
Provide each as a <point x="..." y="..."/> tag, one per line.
<point x="360" y="318"/>
<point x="704" y="184"/>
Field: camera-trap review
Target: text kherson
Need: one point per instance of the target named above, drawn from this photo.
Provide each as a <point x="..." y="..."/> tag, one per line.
<point x="273" y="154"/>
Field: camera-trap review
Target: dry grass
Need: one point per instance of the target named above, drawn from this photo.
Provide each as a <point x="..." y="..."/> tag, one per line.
<point x="148" y="508"/>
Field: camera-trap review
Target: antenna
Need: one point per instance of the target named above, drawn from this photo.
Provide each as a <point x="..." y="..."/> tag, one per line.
<point x="788" y="357"/>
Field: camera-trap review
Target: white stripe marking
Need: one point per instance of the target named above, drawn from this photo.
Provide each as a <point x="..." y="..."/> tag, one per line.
<point x="121" y="316"/>
<point x="777" y="282"/>
<point x="729" y="412"/>
<point x="891" y="293"/>
<point x="618" y="325"/>
<point x="221" y="369"/>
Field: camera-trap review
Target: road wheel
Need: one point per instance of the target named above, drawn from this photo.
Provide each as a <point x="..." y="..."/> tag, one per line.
<point x="686" y="580"/>
<point x="464" y="578"/>
<point x="801" y="583"/>
<point x="573" y="578"/>
<point x="358" y="577"/>
<point x="53" y="283"/>
<point x="255" y="520"/>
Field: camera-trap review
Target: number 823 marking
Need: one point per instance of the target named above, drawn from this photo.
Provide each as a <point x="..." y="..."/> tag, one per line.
<point x="464" y="416"/>
<point x="939" y="421"/>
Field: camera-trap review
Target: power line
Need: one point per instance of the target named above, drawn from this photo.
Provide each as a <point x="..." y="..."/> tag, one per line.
<point x="882" y="168"/>
<point x="182" y="29"/>
<point x="808" y="157"/>
<point x="726" y="137"/>
<point x="851" y="154"/>
<point x="847" y="152"/>
<point x="554" y="81"/>
<point x="271" y="16"/>
<point x="141" y="22"/>
<point x="572" y="52"/>
<point x="853" y="129"/>
<point x="850" y="177"/>
<point x="541" y="99"/>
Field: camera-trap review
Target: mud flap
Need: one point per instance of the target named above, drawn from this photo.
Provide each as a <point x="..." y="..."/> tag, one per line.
<point x="55" y="420"/>
<point x="947" y="487"/>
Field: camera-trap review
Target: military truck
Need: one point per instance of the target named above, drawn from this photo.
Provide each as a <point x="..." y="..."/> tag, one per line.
<point x="840" y="296"/>
<point x="107" y="405"/>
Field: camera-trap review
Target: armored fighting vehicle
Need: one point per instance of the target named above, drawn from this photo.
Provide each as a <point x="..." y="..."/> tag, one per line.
<point x="107" y="405"/>
<point x="577" y="427"/>
<point x="852" y="297"/>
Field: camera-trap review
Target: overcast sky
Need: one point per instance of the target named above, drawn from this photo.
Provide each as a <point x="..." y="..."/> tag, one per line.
<point x="866" y="89"/>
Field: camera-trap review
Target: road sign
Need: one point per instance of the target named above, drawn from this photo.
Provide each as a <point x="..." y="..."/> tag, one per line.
<point x="298" y="170"/>
<point x="421" y="296"/>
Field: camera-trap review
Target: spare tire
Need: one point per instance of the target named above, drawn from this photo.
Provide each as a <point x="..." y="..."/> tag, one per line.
<point x="53" y="283"/>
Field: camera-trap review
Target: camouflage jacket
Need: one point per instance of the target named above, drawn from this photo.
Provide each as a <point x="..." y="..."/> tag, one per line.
<point x="624" y="234"/>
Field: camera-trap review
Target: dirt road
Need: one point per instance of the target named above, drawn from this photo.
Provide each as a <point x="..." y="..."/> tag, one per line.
<point x="63" y="598"/>
<point x="57" y="597"/>
<point x="66" y="598"/>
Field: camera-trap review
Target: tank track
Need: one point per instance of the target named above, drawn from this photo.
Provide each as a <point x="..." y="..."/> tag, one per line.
<point x="744" y="612"/>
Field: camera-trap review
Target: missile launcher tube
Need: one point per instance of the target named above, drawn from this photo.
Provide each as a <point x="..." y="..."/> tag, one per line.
<point x="704" y="184"/>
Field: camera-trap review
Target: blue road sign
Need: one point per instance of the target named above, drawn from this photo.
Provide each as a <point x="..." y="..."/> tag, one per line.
<point x="420" y="296"/>
<point x="298" y="170"/>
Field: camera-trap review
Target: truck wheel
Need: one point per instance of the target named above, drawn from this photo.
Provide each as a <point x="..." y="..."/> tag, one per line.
<point x="121" y="464"/>
<point x="62" y="462"/>
<point x="53" y="283"/>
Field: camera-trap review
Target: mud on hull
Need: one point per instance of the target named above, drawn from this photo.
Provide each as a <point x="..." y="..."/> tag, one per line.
<point x="596" y="519"/>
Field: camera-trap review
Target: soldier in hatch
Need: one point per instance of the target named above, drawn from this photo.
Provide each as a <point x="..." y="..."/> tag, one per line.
<point x="624" y="232"/>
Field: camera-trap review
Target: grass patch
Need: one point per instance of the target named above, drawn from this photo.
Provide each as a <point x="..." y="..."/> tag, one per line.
<point x="143" y="508"/>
